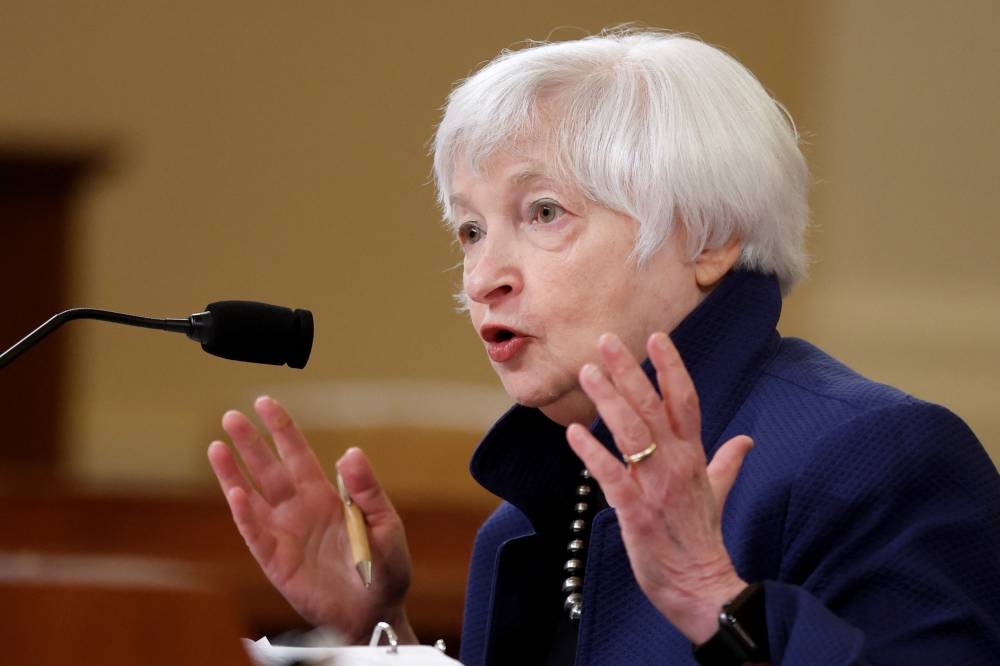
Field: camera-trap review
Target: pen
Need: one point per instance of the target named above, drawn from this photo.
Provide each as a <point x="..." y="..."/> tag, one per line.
<point x="356" y="534"/>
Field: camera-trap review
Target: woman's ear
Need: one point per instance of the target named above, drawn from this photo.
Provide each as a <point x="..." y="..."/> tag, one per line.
<point x="713" y="263"/>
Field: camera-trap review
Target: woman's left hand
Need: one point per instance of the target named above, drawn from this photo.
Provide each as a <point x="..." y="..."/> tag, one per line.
<point x="669" y="504"/>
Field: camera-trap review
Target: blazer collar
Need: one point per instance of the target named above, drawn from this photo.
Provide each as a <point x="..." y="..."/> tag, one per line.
<point x="725" y="343"/>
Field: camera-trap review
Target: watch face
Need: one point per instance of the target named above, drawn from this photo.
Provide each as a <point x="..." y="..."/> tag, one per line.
<point x="727" y="621"/>
<point x="742" y="634"/>
<point x="746" y="617"/>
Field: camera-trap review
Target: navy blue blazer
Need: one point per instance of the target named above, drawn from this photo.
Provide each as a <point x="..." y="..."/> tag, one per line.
<point x="872" y="517"/>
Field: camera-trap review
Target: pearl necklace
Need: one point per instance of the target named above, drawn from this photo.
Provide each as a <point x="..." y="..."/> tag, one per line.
<point x="577" y="548"/>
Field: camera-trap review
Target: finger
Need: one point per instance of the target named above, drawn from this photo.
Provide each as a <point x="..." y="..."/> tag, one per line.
<point x="227" y="471"/>
<point x="679" y="394"/>
<point x="634" y="386"/>
<point x="618" y="487"/>
<point x="631" y="432"/>
<point x="364" y="488"/>
<point x="293" y="448"/>
<point x="259" y="540"/>
<point x="266" y="471"/>
<point x="725" y="466"/>
<point x="230" y="476"/>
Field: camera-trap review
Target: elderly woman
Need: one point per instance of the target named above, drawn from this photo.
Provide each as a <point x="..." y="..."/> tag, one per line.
<point x="607" y="192"/>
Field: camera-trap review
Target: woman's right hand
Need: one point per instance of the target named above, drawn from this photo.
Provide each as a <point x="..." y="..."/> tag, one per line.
<point x="292" y="519"/>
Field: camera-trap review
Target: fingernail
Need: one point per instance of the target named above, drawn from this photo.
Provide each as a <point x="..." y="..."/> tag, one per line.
<point x="574" y="432"/>
<point x="662" y="341"/>
<point x="611" y="343"/>
<point x="591" y="371"/>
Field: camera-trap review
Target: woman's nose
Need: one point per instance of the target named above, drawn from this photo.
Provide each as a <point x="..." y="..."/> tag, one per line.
<point x="493" y="274"/>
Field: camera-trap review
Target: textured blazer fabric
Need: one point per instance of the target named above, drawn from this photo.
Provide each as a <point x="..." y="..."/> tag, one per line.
<point x="872" y="518"/>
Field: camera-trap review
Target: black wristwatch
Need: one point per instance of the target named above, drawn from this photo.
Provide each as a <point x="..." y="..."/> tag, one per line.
<point x="742" y="634"/>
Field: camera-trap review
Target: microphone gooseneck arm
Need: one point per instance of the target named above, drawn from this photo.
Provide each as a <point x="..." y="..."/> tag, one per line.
<point x="187" y="326"/>
<point x="237" y="330"/>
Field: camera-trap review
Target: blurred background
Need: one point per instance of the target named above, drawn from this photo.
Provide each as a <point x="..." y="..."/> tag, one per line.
<point x="158" y="156"/>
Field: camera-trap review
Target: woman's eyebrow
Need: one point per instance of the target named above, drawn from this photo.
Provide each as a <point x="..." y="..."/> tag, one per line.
<point x="529" y="176"/>
<point x="533" y="176"/>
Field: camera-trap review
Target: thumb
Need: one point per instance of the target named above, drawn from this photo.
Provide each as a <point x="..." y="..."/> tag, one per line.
<point x="725" y="466"/>
<point x="364" y="488"/>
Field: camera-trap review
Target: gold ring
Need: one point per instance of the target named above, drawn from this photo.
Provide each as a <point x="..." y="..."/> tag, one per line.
<point x="642" y="455"/>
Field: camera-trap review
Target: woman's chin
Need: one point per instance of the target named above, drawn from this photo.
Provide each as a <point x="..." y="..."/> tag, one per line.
<point x="563" y="408"/>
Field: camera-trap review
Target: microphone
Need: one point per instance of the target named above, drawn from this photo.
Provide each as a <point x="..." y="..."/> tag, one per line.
<point x="236" y="330"/>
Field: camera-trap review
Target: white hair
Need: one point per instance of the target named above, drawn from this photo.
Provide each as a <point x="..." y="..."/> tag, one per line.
<point x="658" y="126"/>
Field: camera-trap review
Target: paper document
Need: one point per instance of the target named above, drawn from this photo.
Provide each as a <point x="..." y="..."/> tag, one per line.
<point x="264" y="654"/>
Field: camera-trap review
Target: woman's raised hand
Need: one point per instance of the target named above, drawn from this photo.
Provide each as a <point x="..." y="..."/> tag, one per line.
<point x="669" y="504"/>
<point x="292" y="519"/>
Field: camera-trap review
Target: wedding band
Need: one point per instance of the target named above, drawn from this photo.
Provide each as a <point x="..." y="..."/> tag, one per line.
<point x="642" y="455"/>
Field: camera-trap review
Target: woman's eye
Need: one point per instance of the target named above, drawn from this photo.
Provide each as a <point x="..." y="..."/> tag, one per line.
<point x="469" y="233"/>
<point x="546" y="211"/>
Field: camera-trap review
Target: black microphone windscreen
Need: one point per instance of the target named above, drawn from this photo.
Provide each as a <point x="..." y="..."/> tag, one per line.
<point x="258" y="333"/>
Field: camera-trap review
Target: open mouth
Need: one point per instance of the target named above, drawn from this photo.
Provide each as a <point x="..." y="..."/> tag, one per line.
<point x="503" y="344"/>
<point x="495" y="334"/>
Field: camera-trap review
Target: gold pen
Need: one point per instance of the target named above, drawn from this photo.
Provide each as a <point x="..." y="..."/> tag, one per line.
<point x="357" y="534"/>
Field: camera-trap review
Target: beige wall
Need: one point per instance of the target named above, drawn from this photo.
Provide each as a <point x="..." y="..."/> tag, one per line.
<point x="276" y="151"/>
<point x="906" y="286"/>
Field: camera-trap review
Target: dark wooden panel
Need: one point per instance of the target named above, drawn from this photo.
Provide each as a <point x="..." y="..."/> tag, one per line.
<point x="37" y="192"/>
<point x="112" y="611"/>
<point x="196" y="529"/>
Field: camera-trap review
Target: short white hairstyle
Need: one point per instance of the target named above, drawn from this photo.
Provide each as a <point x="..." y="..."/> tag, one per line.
<point x="659" y="126"/>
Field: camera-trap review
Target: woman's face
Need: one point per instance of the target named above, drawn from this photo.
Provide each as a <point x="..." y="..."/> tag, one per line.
<point x="546" y="272"/>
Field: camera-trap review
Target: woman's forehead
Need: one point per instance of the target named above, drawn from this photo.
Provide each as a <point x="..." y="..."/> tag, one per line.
<point x="517" y="163"/>
<point x="507" y="174"/>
